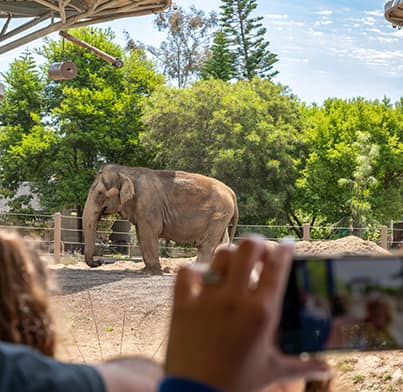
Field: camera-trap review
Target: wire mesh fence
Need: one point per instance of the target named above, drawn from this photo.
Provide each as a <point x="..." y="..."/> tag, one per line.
<point x="116" y="238"/>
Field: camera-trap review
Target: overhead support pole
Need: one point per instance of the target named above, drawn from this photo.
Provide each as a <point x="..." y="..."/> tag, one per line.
<point x="117" y="63"/>
<point x="62" y="11"/>
<point x="33" y="22"/>
<point x="48" y="4"/>
<point x="5" y="26"/>
<point x="68" y="14"/>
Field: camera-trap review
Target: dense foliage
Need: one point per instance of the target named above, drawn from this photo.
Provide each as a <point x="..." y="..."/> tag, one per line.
<point x="70" y="128"/>
<point x="354" y="170"/>
<point x="338" y="163"/>
<point x="247" y="134"/>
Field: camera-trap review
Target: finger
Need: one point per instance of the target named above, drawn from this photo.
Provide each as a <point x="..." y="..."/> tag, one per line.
<point x="214" y="277"/>
<point x="244" y="258"/>
<point x="273" y="279"/>
<point x="187" y="287"/>
<point x="311" y="370"/>
<point x="222" y="261"/>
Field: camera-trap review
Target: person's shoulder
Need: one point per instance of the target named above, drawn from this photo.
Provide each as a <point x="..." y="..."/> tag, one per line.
<point x="24" y="369"/>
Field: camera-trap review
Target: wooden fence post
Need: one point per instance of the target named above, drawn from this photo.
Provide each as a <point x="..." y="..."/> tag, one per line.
<point x="384" y="237"/>
<point x="57" y="237"/>
<point x="307" y="232"/>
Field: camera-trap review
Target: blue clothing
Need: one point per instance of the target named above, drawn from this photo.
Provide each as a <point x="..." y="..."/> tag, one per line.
<point x="25" y="370"/>
<point x="174" y="384"/>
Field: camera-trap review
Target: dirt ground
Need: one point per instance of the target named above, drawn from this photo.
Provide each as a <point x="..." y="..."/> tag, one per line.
<point x="115" y="310"/>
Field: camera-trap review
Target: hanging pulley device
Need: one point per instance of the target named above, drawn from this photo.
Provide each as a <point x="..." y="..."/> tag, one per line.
<point x="67" y="70"/>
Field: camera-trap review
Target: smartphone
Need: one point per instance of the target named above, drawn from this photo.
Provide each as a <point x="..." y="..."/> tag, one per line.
<point x="346" y="303"/>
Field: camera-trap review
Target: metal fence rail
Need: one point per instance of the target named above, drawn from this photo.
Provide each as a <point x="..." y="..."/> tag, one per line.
<point x="64" y="234"/>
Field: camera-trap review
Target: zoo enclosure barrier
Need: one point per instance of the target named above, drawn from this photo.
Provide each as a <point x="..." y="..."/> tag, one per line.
<point x="62" y="234"/>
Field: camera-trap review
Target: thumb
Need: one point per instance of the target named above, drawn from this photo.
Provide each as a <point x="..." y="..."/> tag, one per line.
<point x="310" y="369"/>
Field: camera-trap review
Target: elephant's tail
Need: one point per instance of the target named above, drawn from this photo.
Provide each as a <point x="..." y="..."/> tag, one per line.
<point x="234" y="221"/>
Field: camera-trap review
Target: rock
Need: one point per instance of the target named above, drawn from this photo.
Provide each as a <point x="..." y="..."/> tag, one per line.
<point x="369" y="362"/>
<point x="397" y="377"/>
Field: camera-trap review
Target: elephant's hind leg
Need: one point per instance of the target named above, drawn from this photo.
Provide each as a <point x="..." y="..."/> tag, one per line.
<point x="215" y="237"/>
<point x="205" y="254"/>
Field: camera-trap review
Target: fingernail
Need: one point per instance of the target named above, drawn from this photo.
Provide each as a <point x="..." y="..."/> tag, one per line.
<point x="287" y="240"/>
<point x="254" y="236"/>
<point x="321" y="375"/>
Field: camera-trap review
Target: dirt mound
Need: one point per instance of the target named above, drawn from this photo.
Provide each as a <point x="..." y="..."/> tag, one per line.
<point x="346" y="246"/>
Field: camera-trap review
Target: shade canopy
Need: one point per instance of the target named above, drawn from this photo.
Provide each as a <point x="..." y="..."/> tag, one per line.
<point x="394" y="12"/>
<point x="38" y="18"/>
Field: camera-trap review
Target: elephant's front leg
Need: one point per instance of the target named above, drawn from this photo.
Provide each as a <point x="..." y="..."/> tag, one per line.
<point x="149" y="246"/>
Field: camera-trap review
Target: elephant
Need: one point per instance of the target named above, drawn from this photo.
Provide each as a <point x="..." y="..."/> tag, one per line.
<point x="174" y="205"/>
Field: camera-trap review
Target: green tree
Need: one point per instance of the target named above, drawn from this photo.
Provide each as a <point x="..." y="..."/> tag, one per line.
<point x="246" y="34"/>
<point x="247" y="134"/>
<point x="361" y="183"/>
<point x="24" y="97"/>
<point x="21" y="113"/>
<point x="182" y="55"/>
<point x="220" y="64"/>
<point x="333" y="133"/>
<point x="91" y="120"/>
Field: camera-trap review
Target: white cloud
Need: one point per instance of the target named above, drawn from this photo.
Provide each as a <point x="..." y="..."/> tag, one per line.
<point x="376" y="13"/>
<point x="359" y="22"/>
<point x="387" y="40"/>
<point x="279" y="23"/>
<point x="373" y="30"/>
<point x="276" y="16"/>
<point x="323" y="22"/>
<point x="390" y="61"/>
<point x="317" y="33"/>
<point x="370" y="21"/>
<point x="325" y="12"/>
<point x="296" y="59"/>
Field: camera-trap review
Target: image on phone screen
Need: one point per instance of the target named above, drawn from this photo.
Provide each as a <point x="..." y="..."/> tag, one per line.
<point x="349" y="303"/>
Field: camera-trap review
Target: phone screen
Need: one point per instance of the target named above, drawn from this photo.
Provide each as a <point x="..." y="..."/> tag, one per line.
<point x="349" y="303"/>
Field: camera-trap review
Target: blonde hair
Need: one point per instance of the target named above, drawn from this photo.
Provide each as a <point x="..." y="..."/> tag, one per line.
<point x="24" y="308"/>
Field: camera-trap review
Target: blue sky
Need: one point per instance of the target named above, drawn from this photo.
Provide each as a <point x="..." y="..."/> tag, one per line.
<point x="340" y="48"/>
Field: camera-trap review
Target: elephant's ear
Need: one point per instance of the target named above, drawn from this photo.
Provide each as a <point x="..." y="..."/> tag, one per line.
<point x="126" y="188"/>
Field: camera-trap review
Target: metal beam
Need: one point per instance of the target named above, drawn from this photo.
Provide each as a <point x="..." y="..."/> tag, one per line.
<point x="5" y="26"/>
<point x="62" y="10"/>
<point x="31" y="37"/>
<point x="109" y="18"/>
<point x="84" y="18"/>
<point x="128" y="9"/>
<point x="48" y="4"/>
<point x="33" y="22"/>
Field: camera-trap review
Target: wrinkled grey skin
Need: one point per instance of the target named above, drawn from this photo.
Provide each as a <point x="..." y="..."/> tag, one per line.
<point x="174" y="205"/>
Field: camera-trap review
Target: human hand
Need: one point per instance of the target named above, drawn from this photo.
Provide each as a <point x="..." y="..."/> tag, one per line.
<point x="223" y="334"/>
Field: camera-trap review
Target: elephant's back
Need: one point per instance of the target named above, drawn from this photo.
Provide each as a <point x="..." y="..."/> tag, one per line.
<point x="189" y="188"/>
<point x="194" y="182"/>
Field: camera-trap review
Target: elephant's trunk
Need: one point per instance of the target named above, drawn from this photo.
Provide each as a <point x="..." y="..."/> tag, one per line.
<point x="91" y="215"/>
